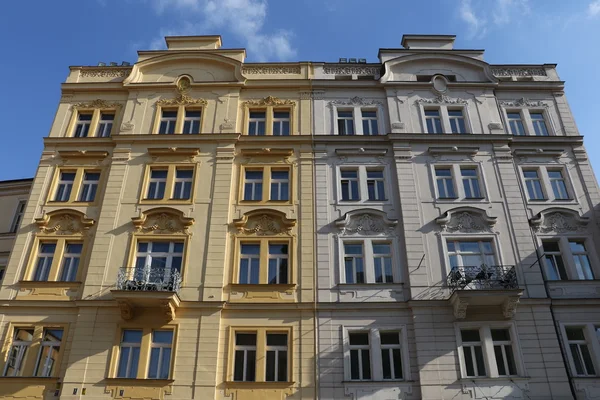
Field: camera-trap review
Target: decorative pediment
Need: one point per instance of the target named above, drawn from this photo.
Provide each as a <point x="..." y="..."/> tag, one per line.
<point x="466" y="220"/>
<point x="269" y="101"/>
<point x="173" y="151"/>
<point x="356" y="101"/>
<point x="366" y="222"/>
<point x="361" y="151"/>
<point x="558" y="220"/>
<point x="523" y="102"/>
<point x="264" y="223"/>
<point x="162" y="220"/>
<point x="83" y="154"/>
<point x="442" y="99"/>
<point x="182" y="99"/>
<point x="285" y="153"/>
<point x="98" y="103"/>
<point x="64" y="222"/>
<point x="463" y="150"/>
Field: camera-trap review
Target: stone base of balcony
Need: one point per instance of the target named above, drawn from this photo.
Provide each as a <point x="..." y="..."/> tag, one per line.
<point x="130" y="301"/>
<point x="507" y="299"/>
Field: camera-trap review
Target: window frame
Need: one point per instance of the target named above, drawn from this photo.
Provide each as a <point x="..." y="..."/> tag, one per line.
<point x="445" y="117"/>
<point x="567" y="256"/>
<point x="77" y="185"/>
<point x="457" y="181"/>
<point x="18" y="217"/>
<point x="525" y="111"/>
<point x="56" y="268"/>
<point x="368" y="258"/>
<point x="95" y="122"/>
<point x="487" y="344"/>
<point x="269" y="111"/>
<point x="591" y="340"/>
<point x="140" y="237"/>
<point x="363" y="190"/>
<point x="357" y="117"/>
<point x="180" y="118"/>
<point x="171" y="169"/>
<point x="266" y="183"/>
<point x="547" y="189"/>
<point x="444" y="237"/>
<point x="263" y="268"/>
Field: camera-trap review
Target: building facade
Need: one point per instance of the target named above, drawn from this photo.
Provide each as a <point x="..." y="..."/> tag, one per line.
<point x="204" y="228"/>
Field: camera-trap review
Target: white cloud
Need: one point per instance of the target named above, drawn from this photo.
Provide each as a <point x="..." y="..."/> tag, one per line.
<point x="505" y="10"/>
<point x="594" y="8"/>
<point x="477" y="24"/>
<point x="244" y="19"/>
<point x="483" y="15"/>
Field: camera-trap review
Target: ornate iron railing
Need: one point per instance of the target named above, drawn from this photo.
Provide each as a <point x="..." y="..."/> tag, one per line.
<point x="483" y="277"/>
<point x="149" y="279"/>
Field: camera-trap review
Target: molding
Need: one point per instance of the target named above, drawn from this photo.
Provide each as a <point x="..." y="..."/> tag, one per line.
<point x="162" y="220"/>
<point x="355" y="101"/>
<point x="88" y="154"/>
<point x="109" y="72"/>
<point x="442" y="99"/>
<point x="437" y="150"/>
<point x="518" y="71"/>
<point x="180" y="100"/>
<point x="351" y="70"/>
<point x="98" y="103"/>
<point x="271" y="70"/>
<point x="495" y="125"/>
<point x="362" y="151"/>
<point x="466" y="220"/>
<point x="173" y="151"/>
<point x="558" y="220"/>
<point x="285" y="153"/>
<point x="366" y="221"/>
<point x="265" y="222"/>
<point x="64" y="222"/>
<point x="556" y="153"/>
<point x="269" y="101"/>
<point x="523" y="102"/>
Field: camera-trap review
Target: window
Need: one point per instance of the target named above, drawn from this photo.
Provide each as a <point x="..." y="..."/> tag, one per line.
<point x="277" y="355"/>
<point x="82" y="127"/>
<point x="354" y="263"/>
<point x="245" y="357"/>
<point x="157" y="184"/>
<point x="44" y="261"/>
<point x="487" y="351"/>
<point x="470" y="181"/>
<point x="253" y="185"/>
<point x="539" y="124"/>
<point x="580" y="257"/>
<point x="281" y="123"/>
<point x="433" y="121"/>
<point x="276" y="188"/>
<point x="360" y="356"/>
<point x="367" y="261"/>
<point x="271" y="256"/>
<point x="566" y="258"/>
<point x="445" y="183"/>
<point x="470" y="253"/>
<point x="191" y="122"/>
<point x="18" y="352"/>
<point x="369" y="122"/>
<point x="160" y="355"/>
<point x="18" y="217"/>
<point x="457" y="121"/>
<point x="280" y="185"/>
<point x="160" y="256"/>
<point x="183" y="183"/>
<point x="349" y="182"/>
<point x="382" y="261"/>
<point x="168" y="120"/>
<point x="391" y="355"/>
<point x="345" y="122"/>
<point x="2" y="272"/>
<point x="70" y="264"/>
<point x="79" y="185"/>
<point x="64" y="187"/>
<point x="375" y="184"/>
<point x="169" y="183"/>
<point x="256" y="123"/>
<point x="581" y="359"/>
<point x="49" y="352"/>
<point x="516" y="123"/>
<point x="89" y="186"/>
<point x="129" y="353"/>
<point x="553" y="261"/>
<point x="533" y="184"/>
<point x="105" y="124"/>
<point x="559" y="187"/>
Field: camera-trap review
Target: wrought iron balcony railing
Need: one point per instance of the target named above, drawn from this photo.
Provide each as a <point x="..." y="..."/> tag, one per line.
<point x="483" y="277"/>
<point x="149" y="279"/>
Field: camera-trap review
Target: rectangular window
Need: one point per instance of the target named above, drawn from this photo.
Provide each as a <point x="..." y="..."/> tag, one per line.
<point x="168" y="120"/>
<point x="345" y="122"/>
<point x="354" y="262"/>
<point x="382" y="262"/>
<point x="157" y="184"/>
<point x="553" y="261"/>
<point x="257" y="123"/>
<point x="276" y="357"/>
<point x="18" y="216"/>
<point x="583" y="268"/>
<point x="160" y="355"/>
<point x="159" y="256"/>
<point x="2" y="272"/>
<point x="559" y="187"/>
<point x="82" y="128"/>
<point x="470" y="253"/>
<point x="369" y="122"/>
<point x="579" y="351"/>
<point x="64" y="186"/>
<point x="350" y="186"/>
<point x="191" y="121"/>
<point x="129" y="353"/>
<point x="473" y="353"/>
<point x="539" y="124"/>
<point x="70" y="263"/>
<point x="457" y="121"/>
<point x="49" y="351"/>
<point x="516" y="123"/>
<point x="445" y="183"/>
<point x="533" y="184"/>
<point x="281" y="123"/>
<point x="470" y="180"/>
<point x="18" y="351"/>
<point x="360" y="356"/>
<point x="375" y="184"/>
<point x="249" y="263"/>
<point x="182" y="189"/>
<point x="44" y="261"/>
<point x="278" y="263"/>
<point x="105" y="124"/>
<point x="391" y="355"/>
<point x="244" y="366"/>
<point x="253" y="185"/>
<point x="89" y="186"/>
<point x="280" y="185"/>
<point x="433" y="121"/>
<point x="503" y="352"/>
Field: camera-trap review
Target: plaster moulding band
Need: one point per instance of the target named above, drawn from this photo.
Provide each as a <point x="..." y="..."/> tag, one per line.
<point x="523" y="102"/>
<point x="438" y="150"/>
<point x="87" y="154"/>
<point x="173" y="151"/>
<point x="269" y="101"/>
<point x="271" y="70"/>
<point x="516" y="71"/>
<point x="539" y="152"/>
<point x="442" y="99"/>
<point x="361" y="152"/>
<point x="267" y="152"/>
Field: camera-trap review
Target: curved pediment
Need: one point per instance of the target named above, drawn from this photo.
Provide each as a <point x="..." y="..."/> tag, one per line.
<point x="466" y="69"/>
<point x="200" y="67"/>
<point x="64" y="222"/>
<point x="162" y="220"/>
<point x="264" y="223"/>
<point x="366" y="221"/>
<point x="466" y="220"/>
<point x="557" y="220"/>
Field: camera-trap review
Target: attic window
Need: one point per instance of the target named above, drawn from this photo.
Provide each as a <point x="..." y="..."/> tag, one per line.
<point x="428" y="78"/>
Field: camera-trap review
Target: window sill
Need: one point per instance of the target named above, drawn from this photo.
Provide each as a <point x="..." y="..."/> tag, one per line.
<point x="497" y="379"/>
<point x="69" y="284"/>
<point x="165" y="201"/>
<point x="70" y="203"/>
<point x="369" y="285"/>
<point x="139" y="381"/>
<point x="389" y="381"/>
<point x="29" y="379"/>
<point x="263" y="286"/>
<point x="259" y="384"/>
<point x="266" y="202"/>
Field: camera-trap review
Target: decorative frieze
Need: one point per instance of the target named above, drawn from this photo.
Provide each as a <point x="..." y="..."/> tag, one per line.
<point x="269" y="101"/>
<point x="355" y="101"/>
<point x="351" y="70"/>
<point x="366" y="222"/>
<point x="264" y="223"/>
<point x="442" y="99"/>
<point x="466" y="220"/>
<point x="558" y="222"/>
<point x="64" y="222"/>
<point x="513" y="71"/>
<point x="523" y="102"/>
<point x="271" y="70"/>
<point x="181" y="100"/>
<point x="106" y="72"/>
<point x="162" y="220"/>
<point x="98" y="103"/>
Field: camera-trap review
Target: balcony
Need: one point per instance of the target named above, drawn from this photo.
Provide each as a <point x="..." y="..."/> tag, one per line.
<point x="484" y="286"/>
<point x="147" y="288"/>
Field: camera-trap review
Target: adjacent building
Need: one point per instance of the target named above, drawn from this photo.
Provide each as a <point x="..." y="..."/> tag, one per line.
<point x="200" y="227"/>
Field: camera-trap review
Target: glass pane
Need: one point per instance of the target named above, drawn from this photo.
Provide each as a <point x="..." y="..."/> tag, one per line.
<point x="390" y="338"/>
<point x="354" y="374"/>
<point x="366" y="364"/>
<point x="550" y="245"/>
<point x="386" y="364"/>
<point x="281" y="114"/>
<point x="165" y="364"/>
<point x="500" y="335"/>
<point x="577" y="361"/>
<point x="257" y="114"/>
<point x="357" y="339"/>
<point x="124" y="358"/>
<point x="251" y="249"/>
<point x="575" y="333"/>
<point x="443" y="172"/>
<point x="282" y="367"/>
<point x="381" y="248"/>
<point x="397" y="363"/>
<point x="499" y="360"/>
<point x="479" y="360"/>
<point x="369" y="114"/>
<point x="270" y="372"/>
<point x="470" y="335"/>
<point x="132" y="336"/>
<point x="577" y="246"/>
<point x="245" y="339"/>
<point x="251" y="366"/>
<point x="276" y="339"/>
<point x="587" y="360"/>
<point x="162" y="337"/>
<point x="153" y="367"/>
<point x="238" y="366"/>
<point x="469" y="247"/>
<point x="512" y="368"/>
<point x="353" y="248"/>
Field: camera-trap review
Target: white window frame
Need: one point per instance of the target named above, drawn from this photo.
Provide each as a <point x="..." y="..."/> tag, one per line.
<point x="183" y="181"/>
<point x="149" y="254"/>
<point x="23" y="347"/>
<point x="382" y="179"/>
<point x="488" y="348"/>
<point x="368" y="258"/>
<point x="192" y="120"/>
<point x="278" y="182"/>
<point x="370" y="121"/>
<point x="280" y="258"/>
<point x="88" y="183"/>
<point x="161" y="347"/>
<point x="256" y="121"/>
<point x="546" y="183"/>
<point x="567" y="256"/>
<point x="66" y="183"/>
<point x="130" y="345"/>
<point x="45" y="364"/>
<point x="245" y="349"/>
<point x="277" y="350"/>
<point x="250" y="257"/>
<point x="592" y="341"/>
<point x="48" y="260"/>
<point x="157" y="181"/>
<point x="105" y="126"/>
<point x="482" y="253"/>
<point x="508" y="121"/>
<point x="280" y="121"/>
<point x="444" y="116"/>
<point x="81" y="124"/>
<point x="457" y="178"/>
<point x="363" y="190"/>
<point x="492" y="237"/>
<point x="171" y="121"/>
<point x="375" y="351"/>
<point x="526" y="119"/>
<point x="18" y="216"/>
<point x="357" y="117"/>
<point x="68" y="262"/>
<point x="254" y="182"/>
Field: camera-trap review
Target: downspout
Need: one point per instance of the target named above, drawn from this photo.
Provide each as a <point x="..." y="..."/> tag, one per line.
<point x="562" y="353"/>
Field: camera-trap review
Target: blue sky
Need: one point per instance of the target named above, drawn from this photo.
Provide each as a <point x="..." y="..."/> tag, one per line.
<point x="43" y="39"/>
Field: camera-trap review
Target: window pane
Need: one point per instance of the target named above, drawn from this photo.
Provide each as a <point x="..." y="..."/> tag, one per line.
<point x="354" y="369"/>
<point x="238" y="371"/>
<point x="512" y="369"/>
<point x="479" y="360"/>
<point x="577" y="359"/>
<point x="359" y="339"/>
<point x="277" y="339"/>
<point x="282" y="367"/>
<point x="470" y="335"/>
<point x="386" y="364"/>
<point x="251" y="366"/>
<point x="587" y="360"/>
<point x="162" y="337"/>
<point x="153" y="367"/>
<point x="366" y="364"/>
<point x="132" y="336"/>
<point x="270" y="372"/>
<point x="390" y="338"/>
<point x="353" y="248"/>
<point x="245" y="339"/>
<point x="499" y="360"/>
<point x="500" y="335"/>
